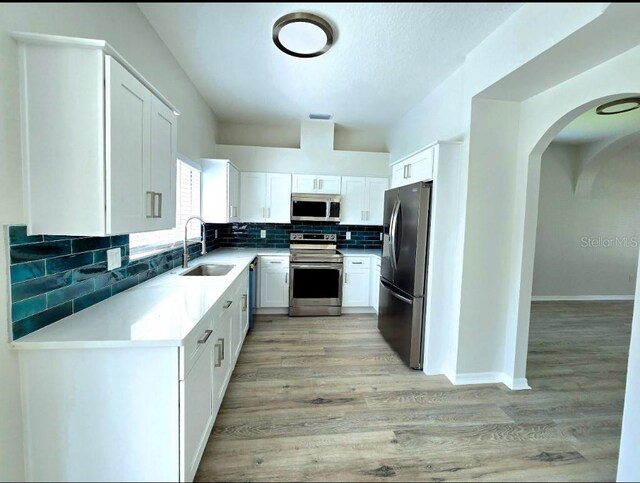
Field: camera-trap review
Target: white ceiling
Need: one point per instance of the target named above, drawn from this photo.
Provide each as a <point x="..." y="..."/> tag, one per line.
<point x="387" y="56"/>
<point x="591" y="127"/>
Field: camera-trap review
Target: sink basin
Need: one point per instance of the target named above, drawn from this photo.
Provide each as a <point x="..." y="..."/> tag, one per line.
<point x="209" y="270"/>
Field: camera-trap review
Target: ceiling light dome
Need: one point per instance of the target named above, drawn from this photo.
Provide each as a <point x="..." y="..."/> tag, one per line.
<point x="618" y="106"/>
<point x="302" y="34"/>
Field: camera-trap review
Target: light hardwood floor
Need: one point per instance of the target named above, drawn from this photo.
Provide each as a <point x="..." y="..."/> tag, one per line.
<point x="325" y="399"/>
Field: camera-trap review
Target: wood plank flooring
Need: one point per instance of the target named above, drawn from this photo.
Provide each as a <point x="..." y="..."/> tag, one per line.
<point x="325" y="399"/>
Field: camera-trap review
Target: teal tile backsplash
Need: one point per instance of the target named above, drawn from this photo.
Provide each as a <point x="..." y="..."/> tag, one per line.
<point x="54" y="276"/>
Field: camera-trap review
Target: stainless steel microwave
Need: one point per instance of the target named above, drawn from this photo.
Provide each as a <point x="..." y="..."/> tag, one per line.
<point x="315" y="207"/>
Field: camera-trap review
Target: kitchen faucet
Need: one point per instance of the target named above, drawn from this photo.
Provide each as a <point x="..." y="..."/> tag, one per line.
<point x="185" y="256"/>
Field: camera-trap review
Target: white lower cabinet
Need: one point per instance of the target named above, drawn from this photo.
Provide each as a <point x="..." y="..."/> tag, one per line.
<point x="356" y="281"/>
<point x="274" y="282"/>
<point x="130" y="413"/>
<point x="375" y="283"/>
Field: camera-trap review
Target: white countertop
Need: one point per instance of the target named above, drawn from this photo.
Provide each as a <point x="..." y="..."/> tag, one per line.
<point x="159" y="312"/>
<point x="360" y="251"/>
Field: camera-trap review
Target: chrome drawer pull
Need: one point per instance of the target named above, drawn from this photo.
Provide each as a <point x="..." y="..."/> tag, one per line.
<point x="228" y="304"/>
<point x="207" y="334"/>
<point x="219" y="362"/>
<point x="222" y="351"/>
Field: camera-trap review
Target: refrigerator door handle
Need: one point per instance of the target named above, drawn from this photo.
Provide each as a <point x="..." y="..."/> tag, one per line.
<point x="393" y="226"/>
<point x="396" y="295"/>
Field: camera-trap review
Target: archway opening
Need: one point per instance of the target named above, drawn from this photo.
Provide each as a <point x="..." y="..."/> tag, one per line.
<point x="584" y="277"/>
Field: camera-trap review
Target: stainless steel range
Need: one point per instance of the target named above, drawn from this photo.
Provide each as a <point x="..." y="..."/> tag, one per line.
<point x="315" y="273"/>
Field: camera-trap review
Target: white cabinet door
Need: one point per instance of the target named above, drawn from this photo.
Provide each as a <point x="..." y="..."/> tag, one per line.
<point x="222" y="351"/>
<point x="421" y="166"/>
<point x="352" y="204"/>
<point x="304" y="183"/>
<point x="196" y="411"/>
<point x="238" y="312"/>
<point x="278" y="198"/>
<point x="128" y="119"/>
<point x="328" y="185"/>
<point x="355" y="291"/>
<point x="375" y="283"/>
<point x="399" y="175"/>
<point x="162" y="169"/>
<point x="274" y="282"/>
<point x="252" y="196"/>
<point x="375" y="206"/>
<point x="234" y="194"/>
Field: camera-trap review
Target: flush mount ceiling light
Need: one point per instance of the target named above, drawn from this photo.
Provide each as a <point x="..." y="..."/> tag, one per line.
<point x="302" y="34"/>
<point x="618" y="106"/>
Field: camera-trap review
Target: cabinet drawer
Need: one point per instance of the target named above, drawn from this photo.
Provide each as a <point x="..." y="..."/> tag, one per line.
<point x="194" y="344"/>
<point x="356" y="262"/>
<point x="274" y="262"/>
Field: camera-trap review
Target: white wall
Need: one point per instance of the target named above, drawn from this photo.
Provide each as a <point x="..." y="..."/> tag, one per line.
<point x="587" y="245"/>
<point x="124" y="27"/>
<point x="287" y="160"/>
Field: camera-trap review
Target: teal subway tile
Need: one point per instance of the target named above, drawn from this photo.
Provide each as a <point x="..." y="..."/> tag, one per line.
<point x="41" y="319"/>
<point x="119" y="240"/>
<point x="38" y="286"/>
<point x="109" y="278"/>
<point x="62" y="264"/>
<point x="99" y="256"/>
<point x="89" y="271"/>
<point x="91" y="243"/>
<point x="27" y="271"/>
<point x="18" y="235"/>
<point x="133" y="270"/>
<point x="90" y="299"/>
<point x="28" y="307"/>
<point x="65" y="294"/>
<point x="39" y="251"/>
<point x="123" y="285"/>
<point x="59" y="237"/>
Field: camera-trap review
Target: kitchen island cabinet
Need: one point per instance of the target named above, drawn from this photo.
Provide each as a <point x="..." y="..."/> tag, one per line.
<point x="128" y="389"/>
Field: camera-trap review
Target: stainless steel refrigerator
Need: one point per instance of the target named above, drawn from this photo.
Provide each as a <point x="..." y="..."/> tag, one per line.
<point x="403" y="271"/>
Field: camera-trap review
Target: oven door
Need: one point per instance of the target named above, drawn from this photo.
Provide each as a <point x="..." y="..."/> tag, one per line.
<point x="315" y="284"/>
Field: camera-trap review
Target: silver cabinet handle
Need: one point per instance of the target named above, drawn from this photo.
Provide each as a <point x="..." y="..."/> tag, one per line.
<point x="228" y="304"/>
<point x="362" y="215"/>
<point x="159" y="205"/>
<point x="222" y="350"/>
<point x="263" y="215"/>
<point x="151" y="198"/>
<point x="356" y="263"/>
<point x="367" y="212"/>
<point x="273" y="261"/>
<point x="286" y="278"/>
<point x="219" y="361"/>
<point x="408" y="171"/>
<point x="268" y="212"/>
<point x="320" y="184"/>
<point x="207" y="334"/>
<point x="235" y="211"/>
<point x="346" y="278"/>
<point x="244" y="302"/>
<point x="230" y="211"/>
<point x="315" y="184"/>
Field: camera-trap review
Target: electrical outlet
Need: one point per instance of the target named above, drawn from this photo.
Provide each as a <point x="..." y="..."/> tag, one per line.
<point x="348" y="235"/>
<point x="263" y="233"/>
<point x="114" y="259"/>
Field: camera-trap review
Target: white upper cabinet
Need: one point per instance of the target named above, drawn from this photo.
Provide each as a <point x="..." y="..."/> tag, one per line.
<point x="362" y="200"/>
<point x="220" y="191"/>
<point x="265" y="197"/>
<point x="99" y="141"/>
<point x="417" y="167"/>
<point x="311" y="183"/>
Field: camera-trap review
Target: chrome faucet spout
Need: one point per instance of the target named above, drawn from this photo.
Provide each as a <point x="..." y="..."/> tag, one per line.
<point x="185" y="255"/>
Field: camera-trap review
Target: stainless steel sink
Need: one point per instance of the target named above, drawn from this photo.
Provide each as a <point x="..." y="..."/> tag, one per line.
<point x="209" y="270"/>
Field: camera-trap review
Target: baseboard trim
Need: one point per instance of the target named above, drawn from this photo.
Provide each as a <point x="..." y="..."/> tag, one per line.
<point x="358" y="310"/>
<point x="569" y="298"/>
<point x="272" y="311"/>
<point x="517" y="384"/>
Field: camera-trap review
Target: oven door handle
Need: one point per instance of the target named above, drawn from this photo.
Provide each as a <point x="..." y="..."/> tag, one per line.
<point x="322" y="265"/>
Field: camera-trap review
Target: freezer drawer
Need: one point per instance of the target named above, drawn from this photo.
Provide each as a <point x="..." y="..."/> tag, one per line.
<point x="400" y="321"/>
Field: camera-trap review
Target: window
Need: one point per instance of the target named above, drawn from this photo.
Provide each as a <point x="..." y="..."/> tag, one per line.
<point x="187" y="205"/>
